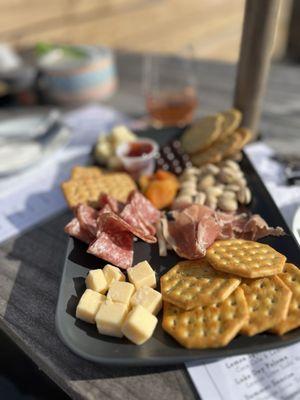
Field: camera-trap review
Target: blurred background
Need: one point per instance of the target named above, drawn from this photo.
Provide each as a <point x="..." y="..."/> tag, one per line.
<point x="212" y="27"/>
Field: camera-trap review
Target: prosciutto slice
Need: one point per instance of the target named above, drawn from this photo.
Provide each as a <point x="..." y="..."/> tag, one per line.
<point x="256" y="228"/>
<point x="189" y="232"/>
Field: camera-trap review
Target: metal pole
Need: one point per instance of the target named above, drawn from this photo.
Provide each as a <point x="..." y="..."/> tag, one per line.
<point x="260" y="21"/>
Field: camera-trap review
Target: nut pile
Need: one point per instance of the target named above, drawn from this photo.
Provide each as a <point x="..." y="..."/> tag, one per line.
<point x="221" y="186"/>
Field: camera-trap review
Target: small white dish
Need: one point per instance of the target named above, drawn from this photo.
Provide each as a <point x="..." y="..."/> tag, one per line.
<point x="27" y="126"/>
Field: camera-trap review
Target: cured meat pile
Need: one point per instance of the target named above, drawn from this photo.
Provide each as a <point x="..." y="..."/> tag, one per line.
<point x="189" y="232"/>
<point x="110" y="230"/>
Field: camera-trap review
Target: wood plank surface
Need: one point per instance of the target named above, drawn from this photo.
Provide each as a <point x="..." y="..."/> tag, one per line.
<point x="31" y="265"/>
<point x="211" y="27"/>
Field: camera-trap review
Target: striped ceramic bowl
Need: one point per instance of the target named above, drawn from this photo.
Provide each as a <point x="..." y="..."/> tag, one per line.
<point x="72" y="80"/>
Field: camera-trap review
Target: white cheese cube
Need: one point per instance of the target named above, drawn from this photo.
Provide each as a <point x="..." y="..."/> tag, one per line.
<point x="112" y="274"/>
<point x="110" y="318"/>
<point x="89" y="305"/>
<point x="96" y="281"/>
<point x="139" y="325"/>
<point x="142" y="275"/>
<point x="120" y="292"/>
<point x="148" y="298"/>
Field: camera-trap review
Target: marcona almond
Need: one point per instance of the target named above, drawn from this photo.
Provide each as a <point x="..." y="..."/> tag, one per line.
<point x="229" y="194"/>
<point x="209" y="169"/>
<point x="227" y="204"/>
<point x="206" y="181"/>
<point x="188" y="191"/>
<point x="200" y="198"/>
<point x="188" y="184"/>
<point x="211" y="201"/>
<point x="233" y="187"/>
<point x="244" y="195"/>
<point x="232" y="164"/>
<point x="227" y="175"/>
<point x="214" y="191"/>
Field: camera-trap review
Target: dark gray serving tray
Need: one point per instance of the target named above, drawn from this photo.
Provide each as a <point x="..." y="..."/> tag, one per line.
<point x="84" y="340"/>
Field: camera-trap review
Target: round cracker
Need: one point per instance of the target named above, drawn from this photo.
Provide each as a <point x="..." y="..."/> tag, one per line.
<point x="202" y="134"/>
<point x="232" y="120"/>
<point x="219" y="150"/>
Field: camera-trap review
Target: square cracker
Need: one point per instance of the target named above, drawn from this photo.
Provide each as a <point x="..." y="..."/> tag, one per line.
<point x="195" y="283"/>
<point x="207" y="326"/>
<point x="268" y="301"/>
<point x="245" y="258"/>
<point x="291" y="277"/>
<point x="80" y="172"/>
<point x="88" y="190"/>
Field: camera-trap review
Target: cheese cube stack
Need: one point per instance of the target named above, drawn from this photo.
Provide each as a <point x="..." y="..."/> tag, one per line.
<point x="96" y="281"/>
<point x="139" y="325"/>
<point x="89" y="305"/>
<point x="142" y="275"/>
<point x="110" y="313"/>
<point x="120" y="292"/>
<point x="112" y="274"/>
<point x="110" y="318"/>
<point x="148" y="298"/>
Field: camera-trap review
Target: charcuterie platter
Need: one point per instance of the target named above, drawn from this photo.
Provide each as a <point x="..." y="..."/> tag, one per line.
<point x="176" y="263"/>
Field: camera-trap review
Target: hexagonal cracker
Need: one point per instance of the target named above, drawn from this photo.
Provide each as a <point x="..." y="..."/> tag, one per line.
<point x="208" y="326"/>
<point x="245" y="258"/>
<point x="193" y="283"/>
<point x="268" y="300"/>
<point x="291" y="277"/>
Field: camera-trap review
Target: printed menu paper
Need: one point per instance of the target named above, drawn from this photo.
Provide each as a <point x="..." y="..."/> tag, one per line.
<point x="271" y="375"/>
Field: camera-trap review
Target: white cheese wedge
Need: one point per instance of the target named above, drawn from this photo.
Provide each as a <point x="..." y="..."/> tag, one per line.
<point x="142" y="275"/>
<point x="120" y="292"/>
<point x="110" y="318"/>
<point x="148" y="298"/>
<point x="139" y="325"/>
<point x="112" y="274"/>
<point x="89" y="305"/>
<point x="96" y="281"/>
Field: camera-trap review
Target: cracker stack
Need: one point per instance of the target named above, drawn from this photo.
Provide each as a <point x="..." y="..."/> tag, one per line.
<point x="215" y="137"/>
<point x="87" y="183"/>
<point x="240" y="286"/>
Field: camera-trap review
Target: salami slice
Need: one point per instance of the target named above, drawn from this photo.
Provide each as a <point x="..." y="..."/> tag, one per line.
<point x="143" y="207"/>
<point x="114" y="247"/>
<point x="114" y="204"/>
<point x="133" y="217"/>
<point x="87" y="217"/>
<point x="74" y="229"/>
<point x="111" y="221"/>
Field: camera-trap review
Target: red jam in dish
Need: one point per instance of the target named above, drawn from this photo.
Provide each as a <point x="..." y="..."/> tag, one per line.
<point x="138" y="149"/>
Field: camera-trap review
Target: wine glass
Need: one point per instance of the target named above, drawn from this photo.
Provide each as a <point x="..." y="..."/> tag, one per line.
<point x="170" y="90"/>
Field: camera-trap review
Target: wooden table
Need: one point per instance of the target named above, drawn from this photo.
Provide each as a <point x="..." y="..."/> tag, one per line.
<point x="31" y="265"/>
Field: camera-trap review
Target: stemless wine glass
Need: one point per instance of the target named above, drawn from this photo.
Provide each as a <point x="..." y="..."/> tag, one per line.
<point x="170" y="90"/>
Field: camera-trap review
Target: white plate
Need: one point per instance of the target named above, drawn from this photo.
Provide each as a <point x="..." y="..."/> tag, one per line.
<point x="16" y="156"/>
<point x="27" y="127"/>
